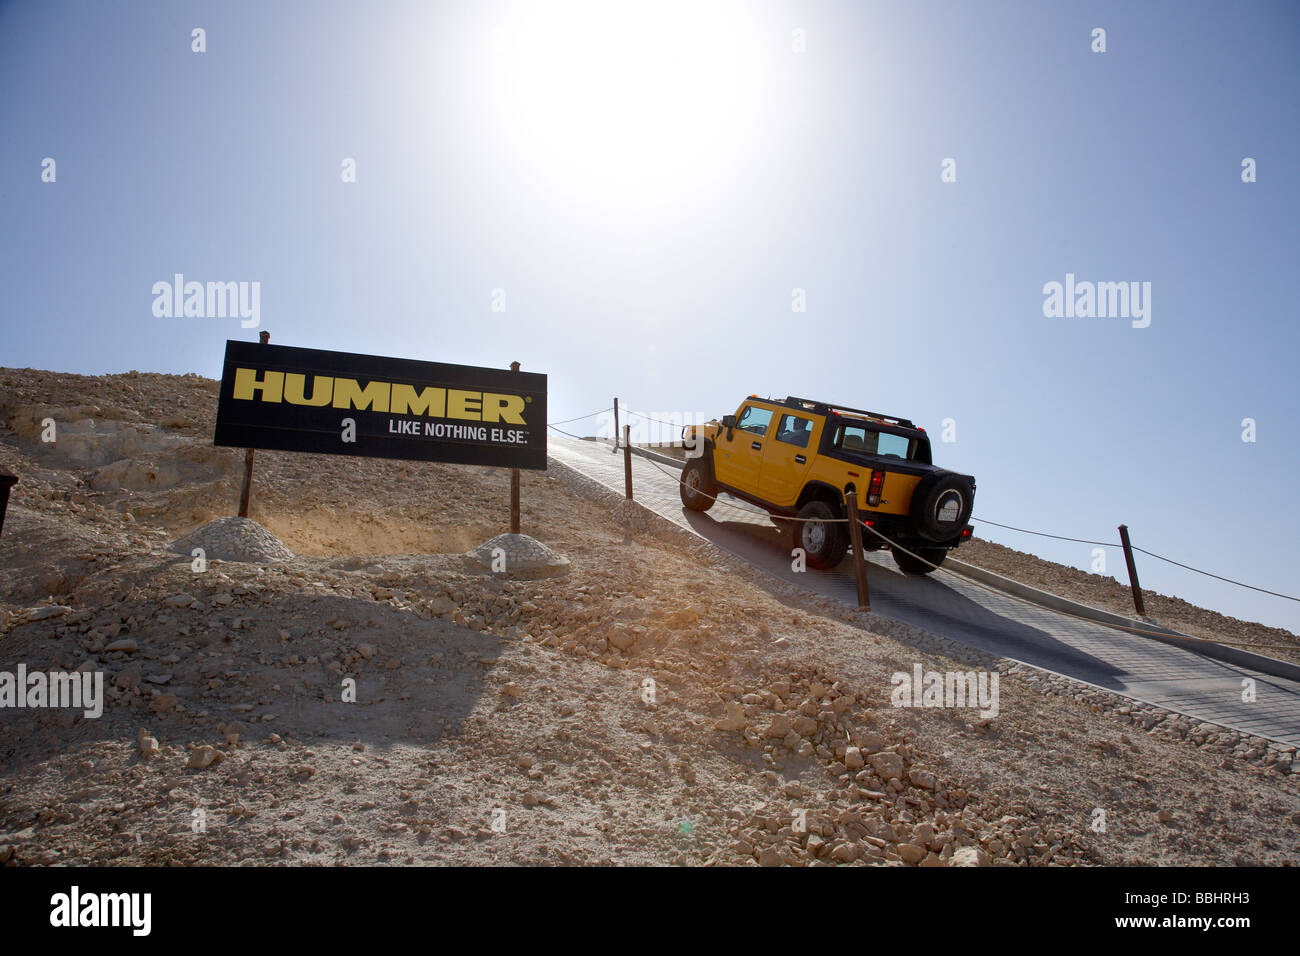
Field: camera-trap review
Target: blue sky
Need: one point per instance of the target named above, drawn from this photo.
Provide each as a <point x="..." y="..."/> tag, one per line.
<point x="648" y="184"/>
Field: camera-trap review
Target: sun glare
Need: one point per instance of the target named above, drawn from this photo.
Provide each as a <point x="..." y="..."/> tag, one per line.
<point x="626" y="104"/>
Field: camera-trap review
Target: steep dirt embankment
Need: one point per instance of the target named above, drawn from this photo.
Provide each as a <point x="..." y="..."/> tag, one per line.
<point x="653" y="706"/>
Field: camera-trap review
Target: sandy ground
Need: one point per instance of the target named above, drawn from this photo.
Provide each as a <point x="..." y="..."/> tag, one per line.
<point x="656" y="705"/>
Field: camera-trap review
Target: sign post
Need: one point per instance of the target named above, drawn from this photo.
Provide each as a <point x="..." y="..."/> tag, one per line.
<point x="514" y="484"/>
<point x="263" y="338"/>
<point x="859" y="556"/>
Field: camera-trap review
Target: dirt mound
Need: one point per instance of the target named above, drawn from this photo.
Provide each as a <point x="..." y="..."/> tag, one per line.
<point x="234" y="539"/>
<point x="518" y="555"/>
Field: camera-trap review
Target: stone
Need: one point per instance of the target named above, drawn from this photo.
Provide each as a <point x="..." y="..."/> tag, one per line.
<point x="844" y="853"/>
<point x="126" y="645"/>
<point x="910" y="853"/>
<point x="779" y="727"/>
<point x="621" y="638"/>
<point x="872" y="743"/>
<point x="47" y="612"/>
<point x="204" y="757"/>
<point x="969" y="856"/>
<point x="804" y="726"/>
<point x="922" y="778"/>
<point x="179" y="600"/>
<point x="148" y="745"/>
<point x="732" y="719"/>
<point x="853" y="759"/>
<point x="888" y="766"/>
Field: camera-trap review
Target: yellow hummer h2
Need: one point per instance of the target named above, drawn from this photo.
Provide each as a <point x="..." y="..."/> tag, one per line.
<point x="799" y="458"/>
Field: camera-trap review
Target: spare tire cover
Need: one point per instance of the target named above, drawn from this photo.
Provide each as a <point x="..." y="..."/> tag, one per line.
<point x="941" y="505"/>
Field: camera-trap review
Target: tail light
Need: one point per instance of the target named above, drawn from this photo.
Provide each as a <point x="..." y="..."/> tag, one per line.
<point x="966" y="532"/>
<point x="877" y="483"/>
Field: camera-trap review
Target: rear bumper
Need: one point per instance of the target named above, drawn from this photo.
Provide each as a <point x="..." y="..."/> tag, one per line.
<point x="898" y="529"/>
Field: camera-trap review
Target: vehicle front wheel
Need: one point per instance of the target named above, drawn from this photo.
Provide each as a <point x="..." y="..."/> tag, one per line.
<point x="932" y="558"/>
<point x="698" y="490"/>
<point x="824" y="543"/>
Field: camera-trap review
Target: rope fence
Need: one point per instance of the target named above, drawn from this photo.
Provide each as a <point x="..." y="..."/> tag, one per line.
<point x="1127" y="547"/>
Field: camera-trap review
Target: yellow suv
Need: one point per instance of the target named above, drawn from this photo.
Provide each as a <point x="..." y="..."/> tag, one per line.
<point x="799" y="458"/>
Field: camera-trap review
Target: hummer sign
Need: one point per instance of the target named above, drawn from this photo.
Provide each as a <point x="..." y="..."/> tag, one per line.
<point x="293" y="399"/>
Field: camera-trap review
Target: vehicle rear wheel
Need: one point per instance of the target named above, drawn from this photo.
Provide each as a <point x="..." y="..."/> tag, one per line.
<point x="824" y="543"/>
<point x="698" y="490"/>
<point x="910" y="565"/>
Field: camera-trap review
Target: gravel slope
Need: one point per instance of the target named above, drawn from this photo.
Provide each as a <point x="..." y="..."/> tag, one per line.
<point x="766" y="737"/>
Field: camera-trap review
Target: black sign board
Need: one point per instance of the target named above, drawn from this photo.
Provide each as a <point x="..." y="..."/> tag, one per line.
<point x="340" y="403"/>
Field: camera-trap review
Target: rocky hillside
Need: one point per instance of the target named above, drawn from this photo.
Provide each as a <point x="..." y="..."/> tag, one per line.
<point x="378" y="698"/>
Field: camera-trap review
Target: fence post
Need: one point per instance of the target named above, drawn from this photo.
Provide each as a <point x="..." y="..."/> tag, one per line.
<point x="7" y="480"/>
<point x="514" y="484"/>
<point x="247" y="490"/>
<point x="627" y="460"/>
<point x="616" y="424"/>
<point x="859" y="556"/>
<point x="1132" y="572"/>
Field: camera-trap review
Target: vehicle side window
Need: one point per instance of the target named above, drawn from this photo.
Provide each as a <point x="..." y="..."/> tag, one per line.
<point x="852" y="438"/>
<point x="893" y="446"/>
<point x="886" y="444"/>
<point x="794" y="430"/>
<point x="754" y="420"/>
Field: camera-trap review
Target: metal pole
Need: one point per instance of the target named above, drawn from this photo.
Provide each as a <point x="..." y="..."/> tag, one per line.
<point x="514" y="484"/>
<point x="7" y="480"/>
<point x="859" y="556"/>
<point x="616" y="424"/>
<point x="627" y="461"/>
<point x="1132" y="571"/>
<point x="247" y="490"/>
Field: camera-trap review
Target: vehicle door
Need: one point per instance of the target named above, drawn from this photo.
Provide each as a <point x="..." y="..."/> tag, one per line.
<point x="787" y="458"/>
<point x="739" y="456"/>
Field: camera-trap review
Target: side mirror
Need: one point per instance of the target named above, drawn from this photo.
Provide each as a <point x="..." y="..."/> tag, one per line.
<point x="728" y="421"/>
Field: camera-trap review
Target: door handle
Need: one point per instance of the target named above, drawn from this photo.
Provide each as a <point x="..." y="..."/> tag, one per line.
<point x="756" y="446"/>
<point x="800" y="460"/>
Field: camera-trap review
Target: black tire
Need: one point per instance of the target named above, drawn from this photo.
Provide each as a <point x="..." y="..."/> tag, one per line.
<point x="941" y="506"/>
<point x="697" y="487"/>
<point x="824" y="544"/>
<point x="909" y="565"/>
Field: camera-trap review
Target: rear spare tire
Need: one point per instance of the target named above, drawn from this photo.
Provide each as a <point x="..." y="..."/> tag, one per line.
<point x="941" y="505"/>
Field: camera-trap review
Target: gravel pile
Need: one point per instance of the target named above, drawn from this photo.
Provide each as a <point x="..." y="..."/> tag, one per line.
<point x="519" y="555"/>
<point x="234" y="539"/>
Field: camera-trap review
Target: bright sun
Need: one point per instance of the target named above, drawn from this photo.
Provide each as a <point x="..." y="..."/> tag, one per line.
<point x="627" y="103"/>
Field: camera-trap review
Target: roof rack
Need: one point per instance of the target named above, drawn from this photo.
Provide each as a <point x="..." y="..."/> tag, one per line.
<point x="824" y="408"/>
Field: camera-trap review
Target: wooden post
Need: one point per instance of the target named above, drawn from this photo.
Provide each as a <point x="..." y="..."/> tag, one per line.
<point x="247" y="490"/>
<point x="514" y="484"/>
<point x="627" y="461"/>
<point x="7" y="480"/>
<point x="859" y="556"/>
<point x="616" y="424"/>
<point x="1132" y="572"/>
